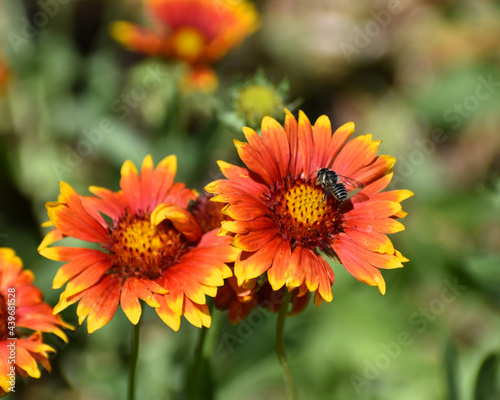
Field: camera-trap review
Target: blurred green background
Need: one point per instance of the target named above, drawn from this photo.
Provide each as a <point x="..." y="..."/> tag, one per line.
<point x="421" y="76"/>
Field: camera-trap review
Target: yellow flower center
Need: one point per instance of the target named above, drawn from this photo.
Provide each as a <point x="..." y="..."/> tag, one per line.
<point x="139" y="248"/>
<point x="188" y="43"/>
<point x="302" y="201"/>
<point x="256" y="101"/>
<point x="298" y="215"/>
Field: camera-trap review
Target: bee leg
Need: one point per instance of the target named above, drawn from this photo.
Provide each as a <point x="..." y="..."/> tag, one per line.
<point x="322" y="200"/>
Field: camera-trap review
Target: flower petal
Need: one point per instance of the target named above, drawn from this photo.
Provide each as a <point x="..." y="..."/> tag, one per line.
<point x="197" y="314"/>
<point x="277" y="273"/>
<point x="182" y="219"/>
<point x="166" y="314"/>
<point x="373" y="240"/>
<point x="274" y="138"/>
<point x="356" y="154"/>
<point x="99" y="303"/>
<point x="256" y="264"/>
<point x="71" y="218"/>
<point x="134" y="289"/>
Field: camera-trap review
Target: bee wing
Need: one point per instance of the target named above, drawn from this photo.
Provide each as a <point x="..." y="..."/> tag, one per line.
<point x="351" y="183"/>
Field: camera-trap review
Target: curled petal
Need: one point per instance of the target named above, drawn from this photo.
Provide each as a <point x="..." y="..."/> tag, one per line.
<point x="182" y="219"/>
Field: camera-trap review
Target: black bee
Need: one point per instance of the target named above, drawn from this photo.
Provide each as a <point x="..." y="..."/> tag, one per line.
<point x="335" y="184"/>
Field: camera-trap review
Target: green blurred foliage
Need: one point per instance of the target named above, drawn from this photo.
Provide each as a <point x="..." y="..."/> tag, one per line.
<point x="413" y="73"/>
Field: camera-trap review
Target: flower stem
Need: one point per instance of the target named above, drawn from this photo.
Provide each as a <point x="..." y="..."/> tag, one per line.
<point x="199" y="383"/>
<point x="280" y="347"/>
<point x="133" y="361"/>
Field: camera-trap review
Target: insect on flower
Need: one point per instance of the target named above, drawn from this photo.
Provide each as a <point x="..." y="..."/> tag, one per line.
<point x="334" y="184"/>
<point x="268" y="203"/>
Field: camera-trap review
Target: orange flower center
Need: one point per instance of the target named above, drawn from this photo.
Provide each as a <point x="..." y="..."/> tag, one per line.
<point x="139" y="248"/>
<point x="299" y="216"/>
<point x="208" y="214"/>
<point x="187" y="43"/>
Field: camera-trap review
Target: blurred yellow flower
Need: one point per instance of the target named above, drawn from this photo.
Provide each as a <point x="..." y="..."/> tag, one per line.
<point x="198" y="32"/>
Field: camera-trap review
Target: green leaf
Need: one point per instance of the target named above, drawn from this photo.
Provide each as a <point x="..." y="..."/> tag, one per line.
<point x="487" y="387"/>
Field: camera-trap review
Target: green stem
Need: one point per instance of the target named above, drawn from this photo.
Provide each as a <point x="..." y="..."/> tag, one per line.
<point x="198" y="383"/>
<point x="213" y="333"/>
<point x="199" y="347"/>
<point x="133" y="361"/>
<point x="280" y="347"/>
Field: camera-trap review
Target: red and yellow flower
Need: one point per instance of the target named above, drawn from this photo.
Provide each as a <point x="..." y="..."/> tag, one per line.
<point x="23" y="318"/>
<point x="150" y="247"/>
<point x="279" y="221"/>
<point x="198" y="32"/>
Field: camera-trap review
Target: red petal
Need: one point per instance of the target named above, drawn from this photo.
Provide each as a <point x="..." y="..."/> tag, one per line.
<point x="262" y="233"/>
<point x="291" y="129"/>
<point x="134" y="289"/>
<point x="277" y="273"/>
<point x="257" y="162"/>
<point x="166" y="314"/>
<point x="298" y="262"/>
<point x="109" y="203"/>
<point x="356" y="154"/>
<point x="306" y="146"/>
<point x="81" y="261"/>
<point x="258" y="263"/>
<point x="246" y="211"/>
<point x="382" y="225"/>
<point x="274" y="137"/>
<point x="373" y="240"/>
<point x="381" y="166"/>
<point x="71" y="218"/>
<point x="87" y="278"/>
<point x="338" y="139"/>
<point x="358" y="267"/>
<point x="372" y="209"/>
<point x="99" y="303"/>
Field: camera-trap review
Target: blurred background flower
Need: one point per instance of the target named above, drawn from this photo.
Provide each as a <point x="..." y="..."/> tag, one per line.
<point x="422" y="76"/>
<point x="4" y="74"/>
<point x="197" y="32"/>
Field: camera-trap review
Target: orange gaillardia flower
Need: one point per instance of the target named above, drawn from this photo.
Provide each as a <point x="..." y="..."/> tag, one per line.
<point x="151" y="248"/>
<point x="23" y="318"/>
<point x="198" y="32"/>
<point x="279" y="217"/>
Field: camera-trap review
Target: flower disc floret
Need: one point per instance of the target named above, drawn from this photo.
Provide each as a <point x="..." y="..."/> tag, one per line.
<point x="298" y="217"/>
